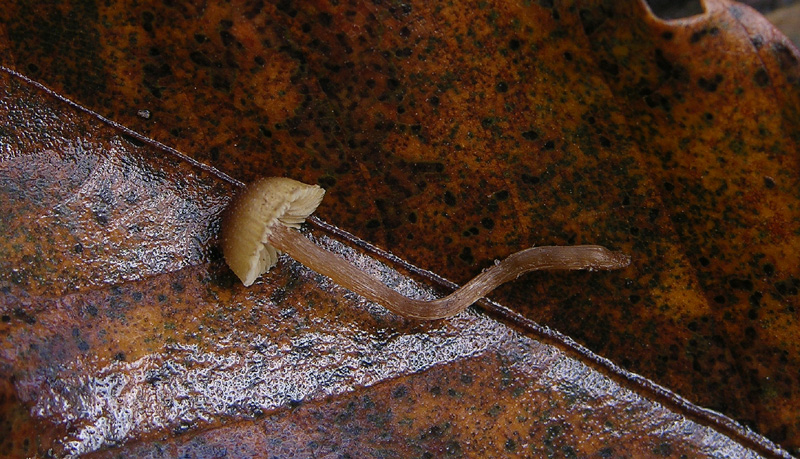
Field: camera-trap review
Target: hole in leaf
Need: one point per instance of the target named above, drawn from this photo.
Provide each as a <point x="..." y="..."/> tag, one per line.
<point x="675" y="9"/>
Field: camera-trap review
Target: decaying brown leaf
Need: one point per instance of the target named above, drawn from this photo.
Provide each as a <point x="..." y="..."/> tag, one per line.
<point x="447" y="135"/>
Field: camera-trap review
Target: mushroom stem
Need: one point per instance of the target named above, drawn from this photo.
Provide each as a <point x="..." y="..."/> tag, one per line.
<point x="588" y="257"/>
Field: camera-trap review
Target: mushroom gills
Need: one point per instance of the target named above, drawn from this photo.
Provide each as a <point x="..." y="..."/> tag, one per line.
<point x="251" y="216"/>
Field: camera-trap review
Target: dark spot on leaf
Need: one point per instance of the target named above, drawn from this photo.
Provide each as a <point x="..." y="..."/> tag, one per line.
<point x="220" y="83"/>
<point x="400" y="392"/>
<point x="663" y="64"/>
<point x="761" y="78"/>
<point x="698" y="35"/>
<point x="530" y="179"/>
<point x="466" y="255"/>
<point x="609" y="67"/>
<point x="449" y="198"/>
<point x="327" y="181"/>
<point x="652" y="100"/>
<point x="155" y="72"/>
<point x="589" y="21"/>
<point x="213" y="153"/>
<point x="285" y="6"/>
<point x="453" y="448"/>
<point x="147" y="21"/>
<point x="403" y="52"/>
<point x="530" y="135"/>
<point x="501" y="87"/>
<point x="101" y="216"/>
<point x="680" y="218"/>
<point x="664" y="449"/>
<point x="786" y="57"/>
<point x="710" y="85"/>
<point x="199" y="58"/>
<point x="487" y="223"/>
<point x="435" y="432"/>
<point x="741" y="284"/>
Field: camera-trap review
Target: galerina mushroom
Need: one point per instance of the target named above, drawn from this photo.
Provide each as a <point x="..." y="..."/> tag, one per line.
<point x="263" y="219"/>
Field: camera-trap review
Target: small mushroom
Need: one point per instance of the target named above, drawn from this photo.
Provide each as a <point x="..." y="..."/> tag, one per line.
<point x="255" y="213"/>
<point x="262" y="222"/>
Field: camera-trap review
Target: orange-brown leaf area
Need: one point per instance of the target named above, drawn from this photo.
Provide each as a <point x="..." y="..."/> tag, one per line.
<point x="117" y="360"/>
<point x="450" y="135"/>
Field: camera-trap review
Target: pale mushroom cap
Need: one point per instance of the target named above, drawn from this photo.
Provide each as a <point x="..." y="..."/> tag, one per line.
<point x="252" y="214"/>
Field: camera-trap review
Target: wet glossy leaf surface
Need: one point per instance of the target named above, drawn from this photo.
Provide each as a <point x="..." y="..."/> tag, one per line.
<point x="447" y="135"/>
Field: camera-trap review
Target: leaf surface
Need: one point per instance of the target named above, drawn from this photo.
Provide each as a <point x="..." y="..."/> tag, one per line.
<point x="448" y="135"/>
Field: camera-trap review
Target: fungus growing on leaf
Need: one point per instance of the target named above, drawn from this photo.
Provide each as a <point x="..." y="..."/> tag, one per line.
<point x="262" y="221"/>
<point x="251" y="218"/>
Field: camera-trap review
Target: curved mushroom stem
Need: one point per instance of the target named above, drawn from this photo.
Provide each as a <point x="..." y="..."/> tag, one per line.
<point x="588" y="257"/>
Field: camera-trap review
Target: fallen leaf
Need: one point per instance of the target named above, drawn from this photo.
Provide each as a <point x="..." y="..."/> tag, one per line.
<point x="293" y="365"/>
<point x="449" y="136"/>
